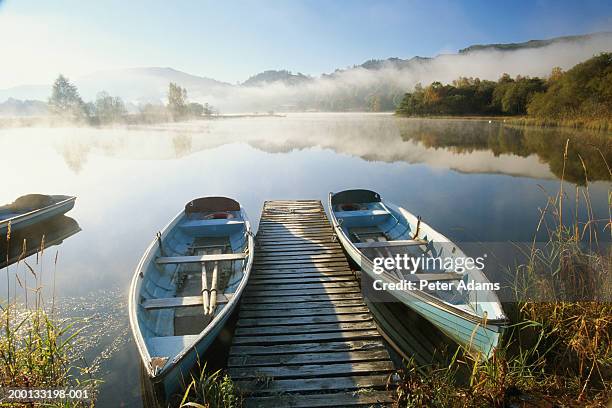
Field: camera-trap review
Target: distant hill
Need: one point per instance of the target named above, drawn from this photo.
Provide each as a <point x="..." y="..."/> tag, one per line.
<point x="272" y="76"/>
<point x="535" y="43"/>
<point x="374" y="85"/>
<point x="392" y="62"/>
<point x="15" y="107"/>
<point x="134" y="85"/>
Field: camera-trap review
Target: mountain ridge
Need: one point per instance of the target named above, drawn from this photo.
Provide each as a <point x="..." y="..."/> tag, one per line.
<point x="355" y="85"/>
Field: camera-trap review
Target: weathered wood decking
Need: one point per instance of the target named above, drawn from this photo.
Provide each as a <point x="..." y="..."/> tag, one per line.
<point x="304" y="337"/>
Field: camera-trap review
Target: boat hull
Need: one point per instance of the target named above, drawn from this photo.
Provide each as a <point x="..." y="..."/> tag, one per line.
<point x="477" y="334"/>
<point x="34" y="217"/>
<point x="175" y="371"/>
<point x="179" y="374"/>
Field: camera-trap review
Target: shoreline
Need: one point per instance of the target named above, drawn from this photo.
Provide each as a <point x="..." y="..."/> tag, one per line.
<point x="601" y="125"/>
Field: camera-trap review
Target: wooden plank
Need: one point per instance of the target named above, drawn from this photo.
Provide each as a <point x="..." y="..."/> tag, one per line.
<point x="295" y="228"/>
<point x="304" y="298"/>
<point x="294" y="285"/>
<point x="309" y="319"/>
<point x="313" y="384"/>
<point x="299" y="257"/>
<point x="200" y="258"/>
<point x="284" y="228"/>
<point x="292" y="263"/>
<point x="315" y="236"/>
<point x="181" y="301"/>
<point x="304" y="328"/>
<point x="314" y="370"/>
<point x="288" y="224"/>
<point x="337" y="311"/>
<point x="264" y="277"/>
<point x="357" y="301"/>
<point x="310" y="231"/>
<point x="305" y="245"/>
<point x="301" y="292"/>
<point x="268" y="241"/>
<point x="344" y="399"/>
<point x="306" y="348"/>
<point x="293" y="214"/>
<point x="300" y="265"/>
<point x="301" y="233"/>
<point x="322" y="270"/>
<point x="307" y="358"/>
<point x="299" y="250"/>
<point x="307" y="337"/>
<point x="305" y="269"/>
<point x="348" y="277"/>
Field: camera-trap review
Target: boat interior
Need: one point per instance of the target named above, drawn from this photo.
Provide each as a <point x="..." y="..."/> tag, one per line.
<point x="380" y="232"/>
<point x="197" y="267"/>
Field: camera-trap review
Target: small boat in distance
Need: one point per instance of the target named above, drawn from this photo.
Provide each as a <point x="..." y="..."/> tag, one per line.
<point x="370" y="228"/>
<point x="30" y="209"/>
<point x="186" y="286"/>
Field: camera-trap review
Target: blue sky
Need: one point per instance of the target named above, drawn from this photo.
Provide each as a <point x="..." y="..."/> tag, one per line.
<point x="230" y="41"/>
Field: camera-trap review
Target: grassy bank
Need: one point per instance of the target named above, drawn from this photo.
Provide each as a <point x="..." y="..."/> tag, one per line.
<point x="36" y="346"/>
<point x="598" y="124"/>
<point x="556" y="352"/>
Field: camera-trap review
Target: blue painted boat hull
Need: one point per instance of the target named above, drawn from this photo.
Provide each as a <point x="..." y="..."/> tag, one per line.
<point x="24" y="220"/>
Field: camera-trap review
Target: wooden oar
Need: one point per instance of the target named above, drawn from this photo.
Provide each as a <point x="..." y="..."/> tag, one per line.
<point x="205" y="291"/>
<point x="213" y="289"/>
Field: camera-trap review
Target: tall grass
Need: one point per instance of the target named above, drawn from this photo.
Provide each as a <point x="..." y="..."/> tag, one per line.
<point x="211" y="390"/>
<point x="35" y="345"/>
<point x="557" y="350"/>
<point x="598" y="124"/>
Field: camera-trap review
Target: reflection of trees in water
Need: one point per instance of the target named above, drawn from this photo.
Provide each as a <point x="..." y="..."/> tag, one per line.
<point x="182" y="144"/>
<point x="547" y="144"/>
<point x="75" y="155"/>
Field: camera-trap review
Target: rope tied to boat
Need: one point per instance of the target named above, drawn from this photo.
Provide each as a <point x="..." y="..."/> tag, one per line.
<point x="159" y="243"/>
<point x="418" y="227"/>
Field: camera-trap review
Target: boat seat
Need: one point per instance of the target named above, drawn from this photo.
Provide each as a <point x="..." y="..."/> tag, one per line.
<point x="210" y="222"/>
<point x="386" y="244"/>
<point x="436" y="276"/>
<point x="169" y="346"/>
<point x="361" y="213"/>
<point x="181" y="301"/>
<point x="200" y="258"/>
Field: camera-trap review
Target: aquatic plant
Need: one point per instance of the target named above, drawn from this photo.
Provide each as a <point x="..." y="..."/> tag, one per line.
<point x="557" y="350"/>
<point x="211" y="390"/>
<point x="35" y="345"/>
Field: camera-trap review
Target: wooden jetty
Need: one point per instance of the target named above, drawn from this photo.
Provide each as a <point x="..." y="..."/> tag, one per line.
<point x="304" y="336"/>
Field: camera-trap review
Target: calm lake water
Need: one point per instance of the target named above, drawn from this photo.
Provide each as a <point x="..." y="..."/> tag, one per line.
<point x="472" y="180"/>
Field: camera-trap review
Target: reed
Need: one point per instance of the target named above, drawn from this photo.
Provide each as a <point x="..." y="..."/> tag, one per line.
<point x="598" y="124"/>
<point x="211" y="390"/>
<point x="35" y="345"/>
<point x="557" y="351"/>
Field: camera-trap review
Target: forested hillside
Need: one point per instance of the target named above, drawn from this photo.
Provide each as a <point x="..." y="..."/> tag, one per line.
<point x="582" y="96"/>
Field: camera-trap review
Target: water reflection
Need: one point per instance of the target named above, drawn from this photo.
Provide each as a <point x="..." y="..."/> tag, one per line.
<point x="591" y="148"/>
<point x="470" y="146"/>
<point x="32" y="239"/>
<point x="472" y="181"/>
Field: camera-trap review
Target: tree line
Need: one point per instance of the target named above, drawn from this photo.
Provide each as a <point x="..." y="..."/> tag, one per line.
<point x="581" y="95"/>
<point x="66" y="102"/>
